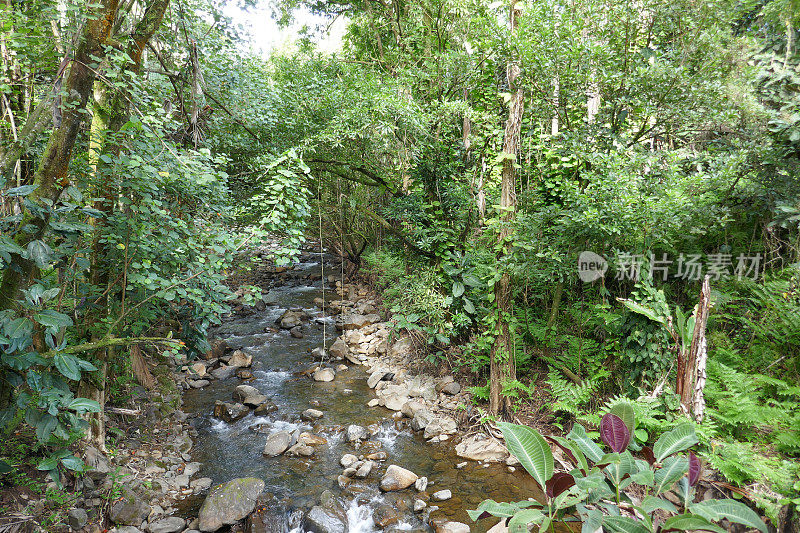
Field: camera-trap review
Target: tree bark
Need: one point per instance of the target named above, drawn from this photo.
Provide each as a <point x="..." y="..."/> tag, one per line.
<point x="52" y="174"/>
<point x="694" y="375"/>
<point x="503" y="368"/>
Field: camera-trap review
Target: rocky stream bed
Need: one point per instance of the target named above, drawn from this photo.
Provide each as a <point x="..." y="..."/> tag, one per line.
<point x="278" y="434"/>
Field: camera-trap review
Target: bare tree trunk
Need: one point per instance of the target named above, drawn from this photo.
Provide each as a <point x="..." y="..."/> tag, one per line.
<point x="503" y="368"/>
<point x="694" y="377"/>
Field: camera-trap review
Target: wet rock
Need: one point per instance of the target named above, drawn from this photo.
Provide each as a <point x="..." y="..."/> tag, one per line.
<point x="338" y="349"/>
<point x="364" y="470"/>
<point x="320" y="520"/>
<point x="421" y="419"/>
<point x="198" y="369"/>
<point x="499" y="527"/>
<point x="324" y="374"/>
<point x="348" y="460"/>
<point x="411" y="407"/>
<point x="421" y="484"/>
<point x="312" y="414"/>
<point x="173" y="524"/>
<point x="300" y="450"/>
<point x="249" y="396"/>
<point x="277" y="443"/>
<point x="201" y="484"/>
<point x="441" y="495"/>
<point x="356" y="433"/>
<point x="230" y="502"/>
<point x="266" y="407"/>
<point x="130" y="509"/>
<point x="230" y="412"/>
<point x="296" y="332"/>
<point x="310" y="439"/>
<point x="374" y="378"/>
<point x="243" y="373"/>
<point x="384" y="516"/>
<point x="77" y="518"/>
<point x="199" y="383"/>
<point x="223" y="372"/>
<point x="349" y="321"/>
<point x="482" y="448"/>
<point x="290" y="319"/>
<point x="126" y="529"/>
<point x="440" y="425"/>
<point x="452" y="527"/>
<point x="397" y="478"/>
<point x="239" y="359"/>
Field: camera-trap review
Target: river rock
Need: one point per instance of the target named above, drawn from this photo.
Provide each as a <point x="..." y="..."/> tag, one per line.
<point x="397" y="478"/>
<point x="240" y="359"/>
<point x="421" y="419"/>
<point x="374" y="378"/>
<point x="201" y="484"/>
<point x="320" y="520"/>
<point x="172" y="524"/>
<point x="300" y="450"/>
<point x="309" y="439"/>
<point x="130" y="509"/>
<point x="198" y="369"/>
<point x="440" y="425"/>
<point x="312" y="414"/>
<point x="223" y="372"/>
<point x="265" y="407"/>
<point x="480" y="447"/>
<point x="348" y="460"/>
<point x="500" y="527"/>
<point x="356" y="433"/>
<point x="277" y="443"/>
<point x="419" y="505"/>
<point x="421" y="484"/>
<point x="441" y="495"/>
<point x="230" y="412"/>
<point x="296" y="332"/>
<point x="217" y="350"/>
<point x="353" y="321"/>
<point x="384" y="516"/>
<point x="324" y="374"/>
<point x="338" y="349"/>
<point x="249" y="395"/>
<point x="290" y="319"/>
<point x="411" y="407"/>
<point x="451" y="388"/>
<point x="228" y="503"/>
<point x="364" y="470"/>
<point x="199" y="383"/>
<point x="452" y="527"/>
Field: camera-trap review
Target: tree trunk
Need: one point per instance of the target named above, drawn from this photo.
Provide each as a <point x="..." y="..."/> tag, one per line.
<point x="502" y="364"/>
<point x="51" y="177"/>
<point x="694" y="374"/>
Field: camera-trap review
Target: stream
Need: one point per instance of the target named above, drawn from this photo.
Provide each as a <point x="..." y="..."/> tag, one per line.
<point x="234" y="450"/>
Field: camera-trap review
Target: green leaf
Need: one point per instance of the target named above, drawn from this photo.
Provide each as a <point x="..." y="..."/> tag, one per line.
<point x="674" y="441"/>
<point x="519" y="522"/>
<point x="531" y="449"/>
<point x="84" y="405"/>
<point x="67" y="365"/>
<point x="73" y="463"/>
<point x="636" y="307"/>
<point x="674" y="468"/>
<point x="469" y="307"/>
<point x="5" y="468"/>
<point x="45" y="427"/>
<point x="458" y="289"/>
<point x="624" y="524"/>
<point x="687" y="522"/>
<point x="51" y="463"/>
<point x="715" y="510"/>
<point x="652" y="503"/>
<point x="39" y="252"/>
<point x="624" y="410"/>
<point x="52" y="319"/>
<point x="500" y="510"/>
<point x="587" y="446"/>
<point x="24" y="190"/>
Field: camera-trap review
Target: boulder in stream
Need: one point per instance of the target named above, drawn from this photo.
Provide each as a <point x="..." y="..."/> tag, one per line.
<point x="324" y="374"/>
<point x="338" y="349"/>
<point x="277" y="443"/>
<point x="397" y="478"/>
<point x="240" y="359"/>
<point x="228" y="503"/>
<point x="481" y="447"/>
<point x="321" y="520"/>
<point x="230" y="412"/>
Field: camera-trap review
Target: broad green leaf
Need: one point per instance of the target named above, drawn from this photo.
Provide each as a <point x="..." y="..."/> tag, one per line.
<point x="624" y="410"/>
<point x="674" y="441"/>
<point x="39" y="252"/>
<point x="583" y="465"/>
<point x="624" y="524"/>
<point x="674" y="468"/>
<point x="642" y="310"/>
<point x="652" y="503"/>
<point x="51" y="463"/>
<point x="84" y="405"/>
<point x="531" y="449"/>
<point x="52" y="319"/>
<point x="5" y="468"/>
<point x="519" y="522"/>
<point x="67" y="365"/>
<point x="587" y="446"/>
<point x="45" y="427"/>
<point x="458" y="289"/>
<point x="73" y="463"/>
<point x="734" y="511"/>
<point x="688" y="522"/>
<point x="23" y="190"/>
<point x="500" y="510"/>
<point x="18" y="328"/>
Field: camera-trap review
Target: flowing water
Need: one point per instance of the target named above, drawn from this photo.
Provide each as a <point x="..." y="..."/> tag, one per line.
<point x="229" y="451"/>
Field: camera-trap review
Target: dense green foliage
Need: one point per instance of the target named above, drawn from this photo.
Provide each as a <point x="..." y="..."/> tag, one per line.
<point x="650" y="131"/>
